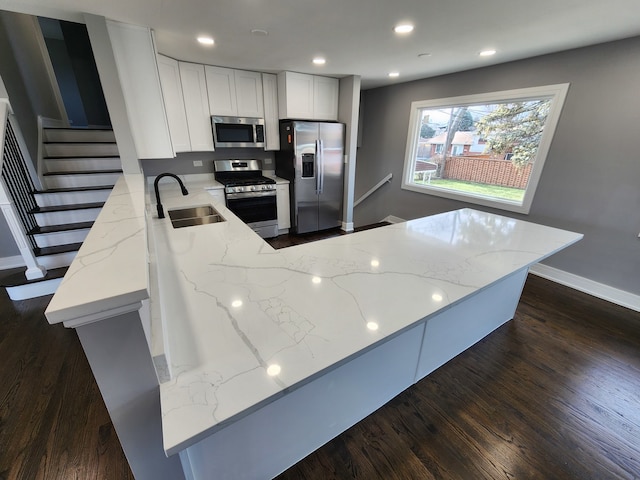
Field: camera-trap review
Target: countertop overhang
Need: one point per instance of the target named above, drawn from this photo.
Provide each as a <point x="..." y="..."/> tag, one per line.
<point x="244" y="324"/>
<point x="109" y="275"/>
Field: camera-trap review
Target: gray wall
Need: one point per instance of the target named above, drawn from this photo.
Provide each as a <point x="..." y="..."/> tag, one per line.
<point x="591" y="179"/>
<point x="30" y="93"/>
<point x="183" y="163"/>
<point x="25" y="75"/>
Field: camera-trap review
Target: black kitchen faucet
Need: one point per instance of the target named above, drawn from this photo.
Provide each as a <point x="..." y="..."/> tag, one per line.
<point x="155" y="186"/>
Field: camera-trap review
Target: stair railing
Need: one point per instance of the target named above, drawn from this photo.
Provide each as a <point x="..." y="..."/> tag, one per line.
<point x="17" y="183"/>
<point x="386" y="179"/>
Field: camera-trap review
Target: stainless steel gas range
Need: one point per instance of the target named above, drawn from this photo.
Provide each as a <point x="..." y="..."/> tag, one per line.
<point x="249" y="195"/>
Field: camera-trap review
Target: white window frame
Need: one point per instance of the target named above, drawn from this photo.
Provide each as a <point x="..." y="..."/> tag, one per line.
<point x="556" y="93"/>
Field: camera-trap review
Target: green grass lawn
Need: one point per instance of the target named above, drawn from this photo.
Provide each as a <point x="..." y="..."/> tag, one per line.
<point x="496" y="191"/>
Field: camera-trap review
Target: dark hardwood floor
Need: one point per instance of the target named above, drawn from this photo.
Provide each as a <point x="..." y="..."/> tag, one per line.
<point x="53" y="422"/>
<point x="553" y="394"/>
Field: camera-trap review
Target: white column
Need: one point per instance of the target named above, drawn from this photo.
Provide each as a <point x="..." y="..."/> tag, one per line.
<point x="348" y="113"/>
<point x="34" y="270"/>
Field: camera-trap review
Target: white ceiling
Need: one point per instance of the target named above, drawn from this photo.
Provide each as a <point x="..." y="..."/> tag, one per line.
<point x="356" y="36"/>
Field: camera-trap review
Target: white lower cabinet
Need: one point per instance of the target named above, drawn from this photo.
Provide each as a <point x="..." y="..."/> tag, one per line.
<point x="217" y="194"/>
<point x="283" y="207"/>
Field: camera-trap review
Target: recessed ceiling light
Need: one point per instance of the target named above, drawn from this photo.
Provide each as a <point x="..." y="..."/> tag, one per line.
<point x="319" y="61"/>
<point x="487" y="53"/>
<point x="394" y="74"/>
<point x="403" y="28"/>
<point x="259" y="32"/>
<point x="206" y="40"/>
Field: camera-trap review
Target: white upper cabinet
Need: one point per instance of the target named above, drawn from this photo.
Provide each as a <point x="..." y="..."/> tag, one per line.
<point x="307" y="97"/>
<point x="174" y="103"/>
<point x="249" y="94"/>
<point x="135" y="57"/>
<point x="235" y="93"/>
<point x="221" y="86"/>
<point x="271" y="122"/>
<point x="194" y="90"/>
<point x="325" y="98"/>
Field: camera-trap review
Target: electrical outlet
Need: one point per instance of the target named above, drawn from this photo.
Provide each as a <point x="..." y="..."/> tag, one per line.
<point x="197" y="163"/>
<point x="267" y="161"/>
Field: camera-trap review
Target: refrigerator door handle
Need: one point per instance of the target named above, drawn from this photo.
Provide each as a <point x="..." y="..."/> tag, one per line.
<point x="321" y="157"/>
<point x="317" y="164"/>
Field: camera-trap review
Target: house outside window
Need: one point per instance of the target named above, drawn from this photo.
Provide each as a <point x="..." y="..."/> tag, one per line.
<point x="490" y="148"/>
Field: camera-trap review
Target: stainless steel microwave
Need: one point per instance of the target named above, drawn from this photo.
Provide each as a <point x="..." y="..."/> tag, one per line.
<point x="239" y="132"/>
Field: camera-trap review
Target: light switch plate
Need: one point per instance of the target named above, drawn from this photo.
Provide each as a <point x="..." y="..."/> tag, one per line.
<point x="197" y="163"/>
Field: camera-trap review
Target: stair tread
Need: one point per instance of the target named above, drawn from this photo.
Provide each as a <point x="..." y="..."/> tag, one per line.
<point x="80" y="129"/>
<point x="73" y="189"/>
<point x="79" y="157"/>
<point x="83" y="172"/>
<point x="64" y="208"/>
<point x="67" y="247"/>
<point x="18" y="279"/>
<point x="83" y="157"/>
<point x="59" y="228"/>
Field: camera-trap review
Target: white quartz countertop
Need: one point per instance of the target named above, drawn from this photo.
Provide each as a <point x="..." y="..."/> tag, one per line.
<point x="243" y="323"/>
<point x="109" y="274"/>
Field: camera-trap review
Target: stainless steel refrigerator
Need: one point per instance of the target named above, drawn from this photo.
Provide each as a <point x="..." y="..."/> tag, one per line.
<point x="311" y="157"/>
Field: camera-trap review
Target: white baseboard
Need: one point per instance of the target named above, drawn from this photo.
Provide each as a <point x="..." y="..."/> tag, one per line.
<point x="7" y="263"/>
<point x="347" y="226"/>
<point x="33" y="290"/>
<point x="599" y="290"/>
<point x="393" y="219"/>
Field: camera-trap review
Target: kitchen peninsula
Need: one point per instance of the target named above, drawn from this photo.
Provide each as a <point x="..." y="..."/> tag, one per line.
<point x="263" y="355"/>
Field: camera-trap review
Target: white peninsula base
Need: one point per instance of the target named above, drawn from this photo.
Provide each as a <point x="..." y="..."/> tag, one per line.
<point x="268" y="441"/>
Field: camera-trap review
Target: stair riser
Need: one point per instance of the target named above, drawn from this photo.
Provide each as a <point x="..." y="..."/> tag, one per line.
<point x="71" y="198"/>
<point x="82" y="164"/>
<point x="57" y="135"/>
<point x="66" y="217"/>
<point x="33" y="290"/>
<point x="80" y="180"/>
<point x="60" y="238"/>
<point x="57" y="261"/>
<point x="79" y="149"/>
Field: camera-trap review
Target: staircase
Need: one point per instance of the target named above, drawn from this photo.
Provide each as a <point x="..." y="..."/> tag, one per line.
<point x="79" y="169"/>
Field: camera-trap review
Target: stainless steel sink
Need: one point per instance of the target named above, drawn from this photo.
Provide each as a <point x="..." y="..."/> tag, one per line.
<point x="191" y="216"/>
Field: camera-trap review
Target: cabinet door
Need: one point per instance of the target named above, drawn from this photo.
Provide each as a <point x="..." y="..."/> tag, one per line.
<point x="135" y="57"/>
<point x="221" y="87"/>
<point x="295" y="95"/>
<point x="217" y="194"/>
<point x="194" y="91"/>
<point x="249" y="94"/>
<point x="283" y="206"/>
<point x="325" y="98"/>
<point x="173" y="103"/>
<point x="271" y="124"/>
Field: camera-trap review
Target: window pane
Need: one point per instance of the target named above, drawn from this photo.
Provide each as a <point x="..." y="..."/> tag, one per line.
<point x="485" y="150"/>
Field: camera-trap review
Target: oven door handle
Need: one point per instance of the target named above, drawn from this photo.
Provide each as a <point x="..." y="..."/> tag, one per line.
<point x="261" y="193"/>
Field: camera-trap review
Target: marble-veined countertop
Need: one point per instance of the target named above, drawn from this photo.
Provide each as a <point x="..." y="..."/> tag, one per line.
<point x="243" y="323"/>
<point x="109" y="273"/>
